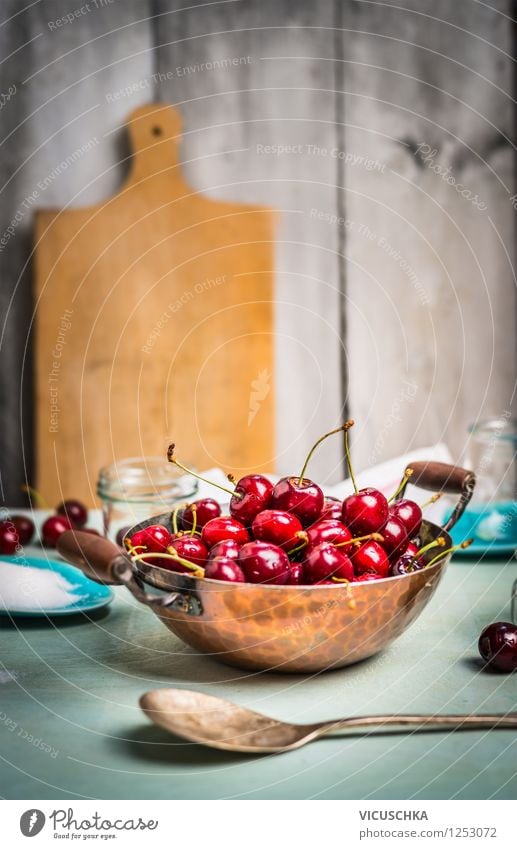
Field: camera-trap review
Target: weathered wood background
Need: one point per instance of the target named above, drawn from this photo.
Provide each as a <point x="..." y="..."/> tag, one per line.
<point x="383" y="134"/>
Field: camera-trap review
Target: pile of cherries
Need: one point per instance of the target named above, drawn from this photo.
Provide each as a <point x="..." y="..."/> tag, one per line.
<point x="20" y="530"/>
<point x="289" y="533"/>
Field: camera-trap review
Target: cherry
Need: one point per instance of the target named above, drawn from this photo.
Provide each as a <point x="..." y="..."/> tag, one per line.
<point x="252" y="495"/>
<point x="412" y="548"/>
<point x="370" y="557"/>
<point x="277" y="526"/>
<point x="498" y="646"/>
<point x="300" y="495"/>
<point x="332" y="509"/>
<point x="264" y="563"/>
<point x="222" y="528"/>
<point x="409" y="513"/>
<point x="326" y="561"/>
<point x="329" y="530"/>
<point x="205" y="509"/>
<point x="190" y="548"/>
<point x="225" y="569"/>
<point x="24" y="528"/>
<point x="366" y="511"/>
<point x="367" y="576"/>
<point x="302" y="498"/>
<point x="52" y="529"/>
<point x="153" y="538"/>
<point x="227" y="548"/>
<point x="406" y="564"/>
<point x="395" y="539"/>
<point x="296" y="574"/>
<point x="75" y="511"/>
<point x="9" y="539"/>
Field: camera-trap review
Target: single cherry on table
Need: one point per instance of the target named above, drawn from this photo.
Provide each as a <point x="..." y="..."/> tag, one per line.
<point x="52" y="529"/>
<point x="498" y="646"/>
<point x="73" y="510"/>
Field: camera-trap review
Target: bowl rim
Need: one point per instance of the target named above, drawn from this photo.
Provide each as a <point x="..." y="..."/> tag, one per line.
<point x="191" y="581"/>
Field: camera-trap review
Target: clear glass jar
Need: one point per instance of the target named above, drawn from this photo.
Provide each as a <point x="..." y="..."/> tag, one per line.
<point x="137" y="488"/>
<point x="492" y="456"/>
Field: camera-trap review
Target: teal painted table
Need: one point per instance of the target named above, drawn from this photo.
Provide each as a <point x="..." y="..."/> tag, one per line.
<point x="70" y="726"/>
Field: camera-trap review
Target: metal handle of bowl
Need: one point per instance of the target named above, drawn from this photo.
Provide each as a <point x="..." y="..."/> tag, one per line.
<point x="106" y="563"/>
<point x="443" y="477"/>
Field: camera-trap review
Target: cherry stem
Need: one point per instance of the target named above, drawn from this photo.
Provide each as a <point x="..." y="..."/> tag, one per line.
<point x="318" y="442"/>
<point x="356" y="540"/>
<point x="402" y="485"/>
<point x="439" y="542"/>
<point x="464" y="544"/>
<point x="301" y="535"/>
<point x="37" y="496"/>
<point x="198" y="570"/>
<point x="172" y="459"/>
<point x="174" y="517"/>
<point x="194" y="520"/>
<point x="434" y="498"/>
<point x="348" y="458"/>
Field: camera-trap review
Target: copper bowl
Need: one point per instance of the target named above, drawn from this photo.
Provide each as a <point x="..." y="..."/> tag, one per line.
<point x="279" y="628"/>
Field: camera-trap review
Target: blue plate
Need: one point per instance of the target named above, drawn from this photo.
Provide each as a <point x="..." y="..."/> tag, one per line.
<point x="91" y="595"/>
<point x="492" y="527"/>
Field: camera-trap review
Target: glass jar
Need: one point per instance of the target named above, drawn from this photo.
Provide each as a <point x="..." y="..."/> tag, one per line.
<point x="137" y="488"/>
<point x="491" y="455"/>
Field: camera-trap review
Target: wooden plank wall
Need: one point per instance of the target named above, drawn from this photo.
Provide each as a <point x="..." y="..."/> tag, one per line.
<point x="424" y="286"/>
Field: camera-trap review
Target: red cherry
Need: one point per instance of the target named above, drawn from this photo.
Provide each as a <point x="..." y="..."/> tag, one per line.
<point x="263" y="562"/>
<point x="367" y="576"/>
<point x="24" y="528"/>
<point x="406" y="564"/>
<point x="365" y="512"/>
<point x="303" y="498"/>
<point x="326" y="561"/>
<point x="153" y="538"/>
<point x="296" y="574"/>
<point x="370" y="557"/>
<point x="412" y="549"/>
<point x="227" y="548"/>
<point x="9" y="540"/>
<point x="224" y="527"/>
<point x="252" y="495"/>
<point x="52" y="529"/>
<point x="395" y="539"/>
<point x="409" y="513"/>
<point x="75" y="511"/>
<point x="206" y="509"/>
<point x="225" y="569"/>
<point x="332" y="509"/>
<point x="329" y="530"/>
<point x="188" y="547"/>
<point x="278" y="527"/>
<point x="498" y="646"/>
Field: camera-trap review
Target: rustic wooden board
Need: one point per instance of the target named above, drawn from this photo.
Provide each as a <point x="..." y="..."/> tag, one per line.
<point x="154" y="323"/>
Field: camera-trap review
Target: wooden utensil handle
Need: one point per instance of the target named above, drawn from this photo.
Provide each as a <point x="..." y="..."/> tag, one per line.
<point x="444" y="477"/>
<point x="97" y="557"/>
<point x="424" y="722"/>
<point x="441" y="477"/>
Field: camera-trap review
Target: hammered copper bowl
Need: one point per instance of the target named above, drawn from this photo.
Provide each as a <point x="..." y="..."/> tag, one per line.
<point x="269" y="627"/>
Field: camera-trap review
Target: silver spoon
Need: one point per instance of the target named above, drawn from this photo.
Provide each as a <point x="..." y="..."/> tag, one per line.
<point x="220" y="724"/>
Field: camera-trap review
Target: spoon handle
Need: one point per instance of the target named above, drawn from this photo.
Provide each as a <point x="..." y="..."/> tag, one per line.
<point x="425" y="722"/>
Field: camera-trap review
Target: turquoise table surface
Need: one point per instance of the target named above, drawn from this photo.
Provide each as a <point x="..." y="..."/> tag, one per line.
<point x="70" y="726"/>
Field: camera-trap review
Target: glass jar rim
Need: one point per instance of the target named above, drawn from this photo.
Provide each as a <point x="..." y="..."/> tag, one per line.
<point x="144" y="480"/>
<point x="498" y="427"/>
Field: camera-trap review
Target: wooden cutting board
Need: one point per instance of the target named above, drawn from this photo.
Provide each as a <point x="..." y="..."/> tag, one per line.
<point x="154" y="324"/>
